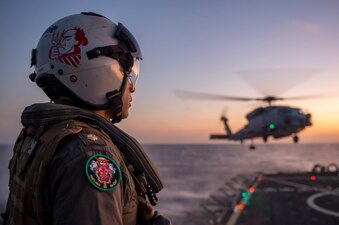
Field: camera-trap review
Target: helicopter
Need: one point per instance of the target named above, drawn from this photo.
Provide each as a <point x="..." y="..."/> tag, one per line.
<point x="270" y="121"/>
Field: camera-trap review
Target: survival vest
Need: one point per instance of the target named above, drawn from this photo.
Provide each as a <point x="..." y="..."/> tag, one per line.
<point x="46" y="124"/>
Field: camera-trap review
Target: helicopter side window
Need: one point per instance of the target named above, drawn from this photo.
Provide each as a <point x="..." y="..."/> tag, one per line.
<point x="284" y="112"/>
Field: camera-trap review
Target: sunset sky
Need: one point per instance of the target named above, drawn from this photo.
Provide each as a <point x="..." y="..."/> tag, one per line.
<point x="213" y="46"/>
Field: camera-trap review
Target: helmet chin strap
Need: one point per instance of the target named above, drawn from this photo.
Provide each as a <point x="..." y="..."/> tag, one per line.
<point x="116" y="110"/>
<point x="115" y="97"/>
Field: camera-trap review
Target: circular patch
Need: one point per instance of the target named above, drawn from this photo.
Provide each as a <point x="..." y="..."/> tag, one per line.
<point x="103" y="172"/>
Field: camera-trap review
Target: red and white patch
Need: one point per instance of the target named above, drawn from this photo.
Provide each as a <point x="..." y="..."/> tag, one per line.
<point x="103" y="172"/>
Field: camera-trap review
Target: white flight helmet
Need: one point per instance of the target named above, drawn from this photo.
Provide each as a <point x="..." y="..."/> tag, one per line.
<point x="87" y="58"/>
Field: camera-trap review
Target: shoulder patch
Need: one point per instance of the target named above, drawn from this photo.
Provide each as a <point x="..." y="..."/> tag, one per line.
<point x="103" y="173"/>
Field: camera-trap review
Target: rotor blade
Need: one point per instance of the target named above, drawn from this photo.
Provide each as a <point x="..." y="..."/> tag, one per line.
<point x="313" y="96"/>
<point x="208" y="96"/>
<point x="275" y="81"/>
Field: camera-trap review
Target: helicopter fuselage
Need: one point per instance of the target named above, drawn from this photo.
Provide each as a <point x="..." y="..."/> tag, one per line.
<point x="274" y="121"/>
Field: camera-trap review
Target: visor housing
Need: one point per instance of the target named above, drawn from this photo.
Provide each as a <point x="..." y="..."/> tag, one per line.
<point x="126" y="37"/>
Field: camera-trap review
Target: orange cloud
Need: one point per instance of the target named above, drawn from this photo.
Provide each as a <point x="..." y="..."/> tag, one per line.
<point x="312" y="27"/>
<point x="307" y="26"/>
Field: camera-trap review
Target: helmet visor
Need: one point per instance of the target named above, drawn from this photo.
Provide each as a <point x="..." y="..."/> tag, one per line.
<point x="135" y="71"/>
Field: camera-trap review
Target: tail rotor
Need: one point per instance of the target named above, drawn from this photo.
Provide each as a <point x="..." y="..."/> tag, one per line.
<point x="224" y="112"/>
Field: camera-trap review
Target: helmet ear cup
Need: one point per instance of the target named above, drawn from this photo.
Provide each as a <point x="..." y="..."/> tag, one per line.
<point x="53" y="92"/>
<point x="48" y="84"/>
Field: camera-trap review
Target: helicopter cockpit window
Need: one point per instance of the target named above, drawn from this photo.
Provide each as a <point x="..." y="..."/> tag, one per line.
<point x="296" y="111"/>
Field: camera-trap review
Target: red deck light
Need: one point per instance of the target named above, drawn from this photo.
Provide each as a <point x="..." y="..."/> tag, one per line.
<point x="240" y="206"/>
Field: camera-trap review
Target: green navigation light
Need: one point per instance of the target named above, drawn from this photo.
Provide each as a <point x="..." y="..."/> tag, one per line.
<point x="271" y="126"/>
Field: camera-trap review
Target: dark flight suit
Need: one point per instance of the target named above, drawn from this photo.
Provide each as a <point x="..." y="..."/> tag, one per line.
<point x="71" y="199"/>
<point x="84" y="182"/>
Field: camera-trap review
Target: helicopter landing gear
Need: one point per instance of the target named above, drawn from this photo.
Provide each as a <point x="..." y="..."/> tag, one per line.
<point x="252" y="146"/>
<point x="295" y="138"/>
<point x="264" y="138"/>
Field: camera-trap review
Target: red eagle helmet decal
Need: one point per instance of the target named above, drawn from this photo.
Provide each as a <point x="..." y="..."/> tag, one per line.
<point x="66" y="46"/>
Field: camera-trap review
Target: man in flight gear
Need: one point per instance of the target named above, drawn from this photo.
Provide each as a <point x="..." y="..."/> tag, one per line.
<point x="71" y="164"/>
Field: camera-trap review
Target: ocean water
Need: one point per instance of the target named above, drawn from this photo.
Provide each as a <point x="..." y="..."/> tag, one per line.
<point x="192" y="172"/>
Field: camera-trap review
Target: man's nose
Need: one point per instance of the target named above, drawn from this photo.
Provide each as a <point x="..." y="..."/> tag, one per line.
<point x="131" y="88"/>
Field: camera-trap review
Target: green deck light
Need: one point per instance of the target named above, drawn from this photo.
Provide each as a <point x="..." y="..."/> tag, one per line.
<point x="244" y="194"/>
